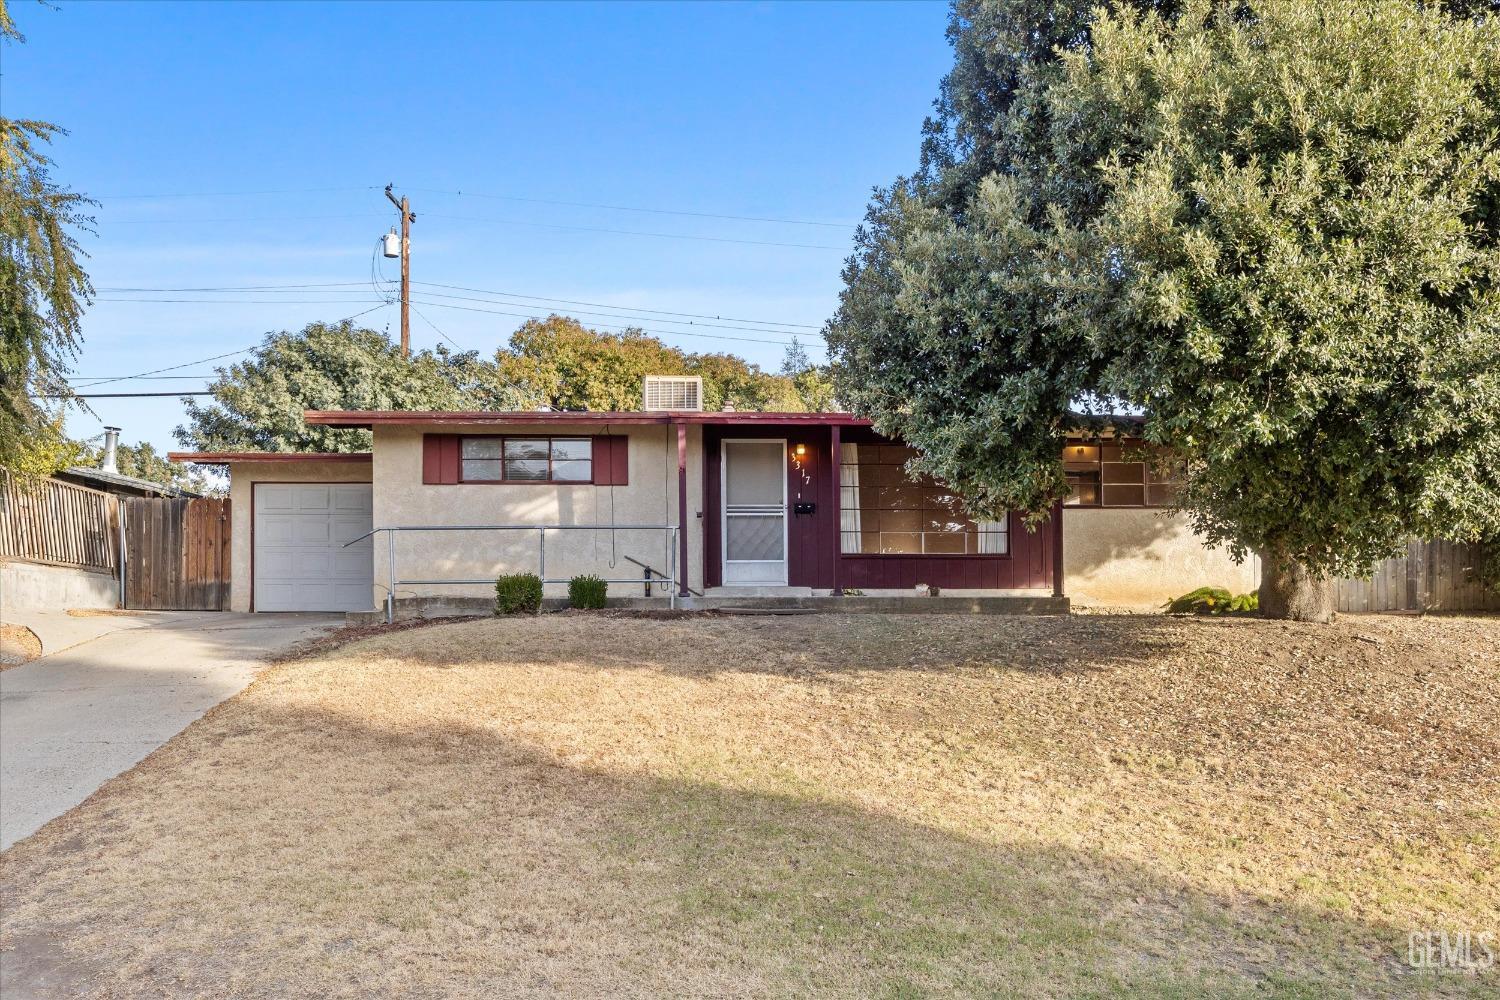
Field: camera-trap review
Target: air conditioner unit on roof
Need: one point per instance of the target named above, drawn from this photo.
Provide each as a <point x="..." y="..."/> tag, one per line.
<point x="672" y="392"/>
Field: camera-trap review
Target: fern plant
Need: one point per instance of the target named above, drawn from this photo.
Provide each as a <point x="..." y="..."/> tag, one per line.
<point x="1214" y="601"/>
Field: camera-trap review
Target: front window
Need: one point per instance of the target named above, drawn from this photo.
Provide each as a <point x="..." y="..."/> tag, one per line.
<point x="527" y="460"/>
<point x="885" y="511"/>
<point x="1118" y="473"/>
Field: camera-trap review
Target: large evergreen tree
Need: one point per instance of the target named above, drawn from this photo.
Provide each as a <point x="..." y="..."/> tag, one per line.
<point x="1268" y="226"/>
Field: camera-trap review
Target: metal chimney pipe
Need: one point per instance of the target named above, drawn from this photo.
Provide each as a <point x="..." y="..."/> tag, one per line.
<point x="111" y="444"/>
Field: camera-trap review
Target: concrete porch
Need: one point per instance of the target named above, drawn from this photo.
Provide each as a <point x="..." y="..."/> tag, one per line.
<point x="408" y="608"/>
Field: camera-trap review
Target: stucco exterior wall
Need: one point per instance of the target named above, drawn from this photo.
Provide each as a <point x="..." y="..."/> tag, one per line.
<point x="242" y="477"/>
<point x="1142" y="558"/>
<point x="401" y="498"/>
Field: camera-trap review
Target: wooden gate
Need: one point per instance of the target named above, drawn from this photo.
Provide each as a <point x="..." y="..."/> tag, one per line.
<point x="176" y="554"/>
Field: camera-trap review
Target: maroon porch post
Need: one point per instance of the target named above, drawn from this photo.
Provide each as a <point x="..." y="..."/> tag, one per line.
<point x="682" y="497"/>
<point x="1057" y="550"/>
<point x="835" y="470"/>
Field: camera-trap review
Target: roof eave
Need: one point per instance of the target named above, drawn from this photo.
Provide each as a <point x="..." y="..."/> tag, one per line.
<point x="369" y="419"/>
<point x="235" y="457"/>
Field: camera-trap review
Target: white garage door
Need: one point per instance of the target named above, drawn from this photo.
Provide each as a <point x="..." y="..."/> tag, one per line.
<point x="300" y="561"/>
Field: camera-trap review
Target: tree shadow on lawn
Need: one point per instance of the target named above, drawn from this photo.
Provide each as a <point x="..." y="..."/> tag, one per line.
<point x="280" y="852"/>
<point x="804" y="645"/>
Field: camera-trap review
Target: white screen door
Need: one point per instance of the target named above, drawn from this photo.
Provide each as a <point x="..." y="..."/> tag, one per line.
<point x="754" y="492"/>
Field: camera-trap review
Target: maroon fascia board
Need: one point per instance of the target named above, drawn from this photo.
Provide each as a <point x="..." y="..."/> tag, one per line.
<point x="368" y="419"/>
<point x="226" y="457"/>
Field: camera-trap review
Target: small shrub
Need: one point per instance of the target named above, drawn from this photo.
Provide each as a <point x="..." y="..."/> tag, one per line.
<point x="587" y="591"/>
<point x="1214" y="601"/>
<point x="518" y="593"/>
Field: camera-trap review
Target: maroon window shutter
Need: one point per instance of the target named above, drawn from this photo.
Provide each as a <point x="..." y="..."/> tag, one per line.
<point x="611" y="461"/>
<point x="440" y="459"/>
<point x="620" y="461"/>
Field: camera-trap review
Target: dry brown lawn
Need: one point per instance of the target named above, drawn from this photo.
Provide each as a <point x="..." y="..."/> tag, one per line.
<point x="18" y="645"/>
<point x="866" y="805"/>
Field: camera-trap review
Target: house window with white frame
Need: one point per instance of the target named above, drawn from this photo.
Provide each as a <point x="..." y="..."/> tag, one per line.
<point x="526" y="460"/>
<point x="886" y="511"/>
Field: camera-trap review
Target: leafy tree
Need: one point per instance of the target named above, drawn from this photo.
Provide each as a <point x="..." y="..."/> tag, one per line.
<point x="258" y="403"/>
<point x="814" y="385"/>
<point x="1268" y="226"/>
<point x="43" y="288"/>
<point x="142" y="461"/>
<point x="568" y="366"/>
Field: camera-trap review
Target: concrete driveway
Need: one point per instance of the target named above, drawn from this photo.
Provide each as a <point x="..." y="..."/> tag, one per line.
<point x="109" y="690"/>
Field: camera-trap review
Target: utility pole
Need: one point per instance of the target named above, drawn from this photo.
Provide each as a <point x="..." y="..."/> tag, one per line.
<point x="407" y="218"/>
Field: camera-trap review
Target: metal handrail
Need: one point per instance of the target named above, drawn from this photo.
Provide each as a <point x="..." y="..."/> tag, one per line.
<point x="652" y="573"/>
<point x="394" y="581"/>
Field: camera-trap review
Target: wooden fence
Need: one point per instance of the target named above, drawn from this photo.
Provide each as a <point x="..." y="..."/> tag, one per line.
<point x="1431" y="576"/>
<point x="55" y="522"/>
<point x="176" y="554"/>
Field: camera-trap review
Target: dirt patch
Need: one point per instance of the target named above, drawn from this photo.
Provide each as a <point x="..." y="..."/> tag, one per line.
<point x="327" y="642"/>
<point x="105" y="613"/>
<point x="18" y="645"/>
<point x="587" y="804"/>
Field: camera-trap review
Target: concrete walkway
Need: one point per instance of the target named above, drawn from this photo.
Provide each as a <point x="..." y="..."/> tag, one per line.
<point x="109" y="690"/>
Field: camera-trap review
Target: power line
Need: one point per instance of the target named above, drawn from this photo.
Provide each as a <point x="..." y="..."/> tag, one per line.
<point x="239" y="218"/>
<point x="496" y="312"/>
<point x="173" y="368"/>
<point x="120" y="395"/>
<point x="606" y="305"/>
<point x="658" y="333"/>
<point x="629" y="208"/>
<point x="521" y="394"/>
<point x="260" y="302"/>
<point x="491" y="197"/>
<point x="235" y="194"/>
<point x="631" y="232"/>
<point x="204" y="361"/>
<point x="615" y="315"/>
<point x="328" y="285"/>
<point x="359" y="287"/>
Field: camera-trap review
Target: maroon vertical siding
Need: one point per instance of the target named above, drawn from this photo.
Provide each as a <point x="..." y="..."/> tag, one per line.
<point x="813" y="539"/>
<point x="1027" y="566"/>
<point x="713" y="509"/>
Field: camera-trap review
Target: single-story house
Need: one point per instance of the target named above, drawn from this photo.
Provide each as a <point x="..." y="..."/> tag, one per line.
<point x="702" y="503"/>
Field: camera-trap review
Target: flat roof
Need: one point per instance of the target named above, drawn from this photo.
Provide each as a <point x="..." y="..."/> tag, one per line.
<point x="225" y="457"/>
<point x="368" y="419"/>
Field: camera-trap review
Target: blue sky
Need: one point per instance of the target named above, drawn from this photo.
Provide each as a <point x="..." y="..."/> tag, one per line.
<point x="182" y="116"/>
